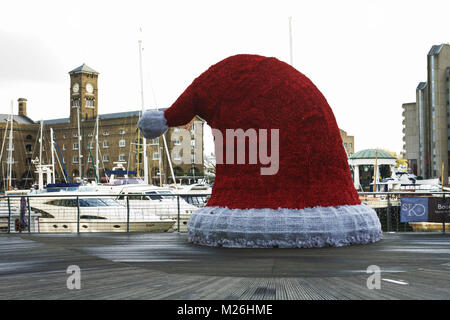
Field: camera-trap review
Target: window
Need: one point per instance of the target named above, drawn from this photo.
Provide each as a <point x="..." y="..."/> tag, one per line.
<point x="193" y="158"/>
<point x="90" y="143"/>
<point x="176" y="141"/>
<point x="105" y="144"/>
<point x="28" y="161"/>
<point x="192" y="143"/>
<point x="121" y="143"/>
<point x="154" y="141"/>
<point x="106" y="133"/>
<point x="75" y="103"/>
<point x="75" y="146"/>
<point x="122" y="131"/>
<point x="122" y="157"/>
<point x="90" y="103"/>
<point x="192" y="129"/>
<point x="75" y="159"/>
<point x="176" y="129"/>
<point x="64" y="147"/>
<point x="176" y="156"/>
<point x="350" y="144"/>
<point x="345" y="145"/>
<point x="10" y="148"/>
<point x="89" y="159"/>
<point x="155" y="156"/>
<point x="29" y="137"/>
<point x="75" y="135"/>
<point x="105" y="158"/>
<point x="90" y="134"/>
<point x="64" y="136"/>
<point x="29" y="147"/>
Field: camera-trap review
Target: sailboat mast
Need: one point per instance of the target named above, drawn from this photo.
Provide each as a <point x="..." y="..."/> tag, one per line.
<point x="290" y="41"/>
<point x="96" y="150"/>
<point x="40" y="142"/>
<point x="10" y="147"/>
<point x="1" y="152"/>
<point x="52" y="147"/>
<point x="79" y="142"/>
<point x="144" y="140"/>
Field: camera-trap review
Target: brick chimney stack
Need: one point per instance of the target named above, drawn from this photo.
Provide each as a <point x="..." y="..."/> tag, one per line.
<point x="22" y="107"/>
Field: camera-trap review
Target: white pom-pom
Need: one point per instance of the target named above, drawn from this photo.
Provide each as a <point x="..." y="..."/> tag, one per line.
<point x="152" y="124"/>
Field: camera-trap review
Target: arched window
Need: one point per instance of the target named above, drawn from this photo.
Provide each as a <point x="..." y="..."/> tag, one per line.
<point x="178" y="171"/>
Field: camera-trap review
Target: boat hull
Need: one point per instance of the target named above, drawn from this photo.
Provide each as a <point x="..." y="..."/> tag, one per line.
<point x="48" y="225"/>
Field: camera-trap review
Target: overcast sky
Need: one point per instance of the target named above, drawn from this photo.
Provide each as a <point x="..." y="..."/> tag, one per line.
<point x="366" y="57"/>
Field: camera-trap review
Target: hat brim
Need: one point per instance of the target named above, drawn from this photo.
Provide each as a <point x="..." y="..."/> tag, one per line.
<point x="284" y="228"/>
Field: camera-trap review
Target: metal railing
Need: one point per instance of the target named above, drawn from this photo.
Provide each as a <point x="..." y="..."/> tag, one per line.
<point x="56" y="213"/>
<point x="387" y="205"/>
<point x="78" y="213"/>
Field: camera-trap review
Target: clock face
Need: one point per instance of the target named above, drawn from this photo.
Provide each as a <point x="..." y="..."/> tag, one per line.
<point x="75" y="87"/>
<point x="89" y="88"/>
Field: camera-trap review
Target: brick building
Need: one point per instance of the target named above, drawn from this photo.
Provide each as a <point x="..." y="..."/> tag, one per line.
<point x="118" y="141"/>
<point x="348" y="141"/>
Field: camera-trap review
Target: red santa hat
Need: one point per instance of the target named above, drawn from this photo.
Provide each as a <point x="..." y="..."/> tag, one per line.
<point x="309" y="199"/>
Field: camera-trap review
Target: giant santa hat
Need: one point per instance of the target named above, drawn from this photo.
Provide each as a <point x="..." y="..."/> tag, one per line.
<point x="309" y="199"/>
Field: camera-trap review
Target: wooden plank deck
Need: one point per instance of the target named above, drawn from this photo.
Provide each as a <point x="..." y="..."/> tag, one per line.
<point x="166" y="266"/>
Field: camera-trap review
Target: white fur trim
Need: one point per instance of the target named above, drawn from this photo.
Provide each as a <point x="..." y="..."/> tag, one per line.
<point x="153" y="124"/>
<point x="284" y="228"/>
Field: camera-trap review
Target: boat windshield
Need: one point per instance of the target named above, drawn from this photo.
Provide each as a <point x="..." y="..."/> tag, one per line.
<point x="94" y="202"/>
<point x="160" y="195"/>
<point x="110" y="202"/>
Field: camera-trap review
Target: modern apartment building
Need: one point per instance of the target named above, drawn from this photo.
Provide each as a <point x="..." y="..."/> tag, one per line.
<point x="426" y="135"/>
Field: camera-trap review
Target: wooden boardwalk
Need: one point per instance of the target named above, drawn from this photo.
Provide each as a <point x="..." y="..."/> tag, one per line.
<point x="166" y="266"/>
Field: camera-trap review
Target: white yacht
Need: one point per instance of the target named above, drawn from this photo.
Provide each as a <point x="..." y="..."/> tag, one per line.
<point x="97" y="214"/>
<point x="159" y="201"/>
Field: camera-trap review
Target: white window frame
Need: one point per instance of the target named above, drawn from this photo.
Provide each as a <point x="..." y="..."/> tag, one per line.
<point x="75" y="146"/>
<point x="155" y="157"/>
<point x="176" y="141"/>
<point x="105" y="158"/>
<point x="122" y="157"/>
<point x="105" y="144"/>
<point x="122" y="143"/>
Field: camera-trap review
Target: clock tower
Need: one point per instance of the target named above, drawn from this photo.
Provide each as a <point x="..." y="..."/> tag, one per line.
<point x="83" y="93"/>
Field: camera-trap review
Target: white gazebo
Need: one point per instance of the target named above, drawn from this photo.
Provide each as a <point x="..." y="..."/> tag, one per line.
<point x="370" y="157"/>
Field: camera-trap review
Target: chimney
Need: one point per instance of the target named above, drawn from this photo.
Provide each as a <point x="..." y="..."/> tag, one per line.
<point x="22" y="107"/>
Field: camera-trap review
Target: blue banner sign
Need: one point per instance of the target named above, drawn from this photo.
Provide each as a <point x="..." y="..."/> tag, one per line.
<point x="414" y="209"/>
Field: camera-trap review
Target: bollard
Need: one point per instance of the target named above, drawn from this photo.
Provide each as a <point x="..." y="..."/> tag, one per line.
<point x="178" y="207"/>
<point x="128" y="213"/>
<point x="29" y="215"/>
<point x="78" y="215"/>
<point x="9" y="215"/>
